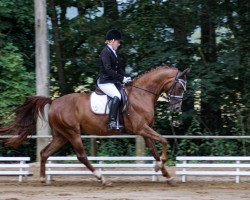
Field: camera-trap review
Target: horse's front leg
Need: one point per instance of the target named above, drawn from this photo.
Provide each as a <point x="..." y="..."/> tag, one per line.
<point x="149" y="136"/>
<point x="151" y="145"/>
<point x="160" y="163"/>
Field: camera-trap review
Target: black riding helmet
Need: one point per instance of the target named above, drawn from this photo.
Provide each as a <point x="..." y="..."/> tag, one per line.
<point x="113" y="34"/>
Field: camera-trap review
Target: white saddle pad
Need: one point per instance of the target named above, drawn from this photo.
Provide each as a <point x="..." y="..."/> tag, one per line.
<point x="98" y="103"/>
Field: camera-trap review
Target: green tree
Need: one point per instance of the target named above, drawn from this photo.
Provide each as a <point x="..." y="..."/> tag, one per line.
<point x="15" y="83"/>
<point x="17" y="27"/>
<point x="16" y="53"/>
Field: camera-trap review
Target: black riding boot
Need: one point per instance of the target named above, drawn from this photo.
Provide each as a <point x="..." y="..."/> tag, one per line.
<point x="113" y="113"/>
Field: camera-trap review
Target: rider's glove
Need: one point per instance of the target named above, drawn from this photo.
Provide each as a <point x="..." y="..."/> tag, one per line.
<point x="126" y="79"/>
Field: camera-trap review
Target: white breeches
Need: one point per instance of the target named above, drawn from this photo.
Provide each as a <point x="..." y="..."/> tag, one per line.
<point x="110" y="90"/>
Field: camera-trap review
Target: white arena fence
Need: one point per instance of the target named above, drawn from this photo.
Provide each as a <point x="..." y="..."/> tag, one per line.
<point x="189" y="166"/>
<point x="14" y="166"/>
<point x="111" y="166"/>
<point x="234" y="166"/>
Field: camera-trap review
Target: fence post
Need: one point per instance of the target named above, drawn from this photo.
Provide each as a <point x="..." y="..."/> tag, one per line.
<point x="184" y="178"/>
<point x="20" y="178"/>
<point x="237" y="178"/>
<point x="140" y="147"/>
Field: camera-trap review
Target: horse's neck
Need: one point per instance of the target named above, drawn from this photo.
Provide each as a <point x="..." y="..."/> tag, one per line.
<point x="154" y="82"/>
<point x="146" y="89"/>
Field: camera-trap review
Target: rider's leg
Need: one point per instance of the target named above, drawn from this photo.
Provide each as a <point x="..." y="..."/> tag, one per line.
<point x="113" y="113"/>
<point x="111" y="90"/>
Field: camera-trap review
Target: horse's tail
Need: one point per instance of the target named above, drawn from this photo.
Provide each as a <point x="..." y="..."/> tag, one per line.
<point x="25" y="121"/>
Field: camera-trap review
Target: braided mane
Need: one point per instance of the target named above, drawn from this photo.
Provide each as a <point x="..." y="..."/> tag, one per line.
<point x="152" y="69"/>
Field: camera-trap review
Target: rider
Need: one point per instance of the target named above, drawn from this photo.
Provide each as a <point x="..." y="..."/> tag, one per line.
<point x="111" y="73"/>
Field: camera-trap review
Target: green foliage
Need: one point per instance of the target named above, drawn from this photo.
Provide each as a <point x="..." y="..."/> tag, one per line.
<point x="116" y="147"/>
<point x="228" y="148"/>
<point x="208" y="147"/>
<point x="27" y="149"/>
<point x="16" y="83"/>
<point x="17" y="27"/>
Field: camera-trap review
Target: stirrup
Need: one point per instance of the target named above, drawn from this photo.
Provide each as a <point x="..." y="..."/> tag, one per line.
<point x="115" y="126"/>
<point x="120" y="126"/>
<point x="112" y="126"/>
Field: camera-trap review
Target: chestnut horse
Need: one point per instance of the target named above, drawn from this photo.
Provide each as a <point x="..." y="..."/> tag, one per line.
<point x="70" y="115"/>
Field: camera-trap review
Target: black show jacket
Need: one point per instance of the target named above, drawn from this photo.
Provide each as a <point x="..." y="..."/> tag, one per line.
<point x="110" y="71"/>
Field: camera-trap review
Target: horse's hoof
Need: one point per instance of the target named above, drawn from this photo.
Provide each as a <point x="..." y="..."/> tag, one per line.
<point x="171" y="182"/>
<point x="43" y="180"/>
<point x="46" y="181"/>
<point x="157" y="168"/>
<point x="107" y="184"/>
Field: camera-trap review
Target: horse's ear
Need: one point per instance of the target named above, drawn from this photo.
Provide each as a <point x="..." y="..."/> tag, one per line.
<point x="186" y="71"/>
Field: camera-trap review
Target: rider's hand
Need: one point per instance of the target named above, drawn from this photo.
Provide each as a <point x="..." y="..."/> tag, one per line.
<point x="126" y="79"/>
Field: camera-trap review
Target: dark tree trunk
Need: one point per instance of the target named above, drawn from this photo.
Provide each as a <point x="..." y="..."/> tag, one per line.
<point x="57" y="45"/>
<point x="208" y="37"/>
<point x="243" y="7"/>
<point x="111" y="9"/>
<point x="210" y="115"/>
<point x="180" y="34"/>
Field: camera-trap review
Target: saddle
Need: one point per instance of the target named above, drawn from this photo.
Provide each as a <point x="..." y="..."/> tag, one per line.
<point x="100" y="103"/>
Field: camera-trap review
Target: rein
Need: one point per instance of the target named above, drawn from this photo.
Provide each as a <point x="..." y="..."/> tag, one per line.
<point x="144" y="90"/>
<point x="165" y="97"/>
<point x="169" y="96"/>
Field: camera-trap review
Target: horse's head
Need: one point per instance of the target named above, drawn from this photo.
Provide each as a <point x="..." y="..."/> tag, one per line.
<point x="176" y="91"/>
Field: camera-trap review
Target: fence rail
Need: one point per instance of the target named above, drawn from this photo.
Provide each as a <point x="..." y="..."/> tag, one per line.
<point x="134" y="136"/>
<point x="14" y="166"/>
<point x="58" y="165"/>
<point x="235" y="166"/>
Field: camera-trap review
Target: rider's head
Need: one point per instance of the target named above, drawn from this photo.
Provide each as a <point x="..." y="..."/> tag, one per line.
<point x="113" y="38"/>
<point x="113" y="34"/>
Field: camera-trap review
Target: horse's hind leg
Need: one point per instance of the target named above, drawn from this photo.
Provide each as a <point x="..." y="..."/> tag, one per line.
<point x="78" y="147"/>
<point x="57" y="142"/>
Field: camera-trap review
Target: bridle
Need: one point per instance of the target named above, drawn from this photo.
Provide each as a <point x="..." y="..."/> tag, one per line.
<point x="183" y="84"/>
<point x="172" y="88"/>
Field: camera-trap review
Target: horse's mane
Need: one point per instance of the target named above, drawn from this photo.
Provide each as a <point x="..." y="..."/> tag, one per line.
<point x="151" y="70"/>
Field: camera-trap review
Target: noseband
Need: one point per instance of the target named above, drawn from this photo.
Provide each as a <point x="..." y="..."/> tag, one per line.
<point x="183" y="84"/>
<point x="170" y="95"/>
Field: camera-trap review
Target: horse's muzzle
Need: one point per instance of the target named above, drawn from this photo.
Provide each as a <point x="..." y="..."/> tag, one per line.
<point x="175" y="107"/>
